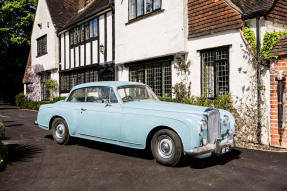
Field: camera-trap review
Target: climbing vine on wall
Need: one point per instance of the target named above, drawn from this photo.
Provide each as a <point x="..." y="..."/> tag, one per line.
<point x="269" y="41"/>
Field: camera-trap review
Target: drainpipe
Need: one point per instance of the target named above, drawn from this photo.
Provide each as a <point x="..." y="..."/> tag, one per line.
<point x="258" y="73"/>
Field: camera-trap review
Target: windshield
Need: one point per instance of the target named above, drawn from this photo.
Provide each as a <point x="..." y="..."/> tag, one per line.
<point x="136" y="93"/>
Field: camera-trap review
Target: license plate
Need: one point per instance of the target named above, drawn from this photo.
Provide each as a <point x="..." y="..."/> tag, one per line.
<point x="225" y="149"/>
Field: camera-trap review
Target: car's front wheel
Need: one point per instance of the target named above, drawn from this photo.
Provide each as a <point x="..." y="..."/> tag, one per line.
<point x="166" y="147"/>
<point x="60" y="131"/>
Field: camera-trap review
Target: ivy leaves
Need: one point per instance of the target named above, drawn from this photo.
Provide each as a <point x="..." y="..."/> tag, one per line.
<point x="269" y="42"/>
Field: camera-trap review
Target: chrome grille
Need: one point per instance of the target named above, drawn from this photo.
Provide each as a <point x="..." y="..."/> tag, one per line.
<point x="213" y="125"/>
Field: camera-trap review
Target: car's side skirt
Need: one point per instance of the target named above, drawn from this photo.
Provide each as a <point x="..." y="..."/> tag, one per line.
<point x="109" y="139"/>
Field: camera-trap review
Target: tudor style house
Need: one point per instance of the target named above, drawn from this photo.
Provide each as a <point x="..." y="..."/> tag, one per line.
<point x="72" y="42"/>
<point x="77" y="41"/>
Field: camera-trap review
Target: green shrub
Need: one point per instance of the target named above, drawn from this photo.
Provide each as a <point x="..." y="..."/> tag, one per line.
<point x="21" y="100"/>
<point x="168" y="99"/>
<point x="2" y="131"/>
<point x="221" y="102"/>
<point x="56" y="99"/>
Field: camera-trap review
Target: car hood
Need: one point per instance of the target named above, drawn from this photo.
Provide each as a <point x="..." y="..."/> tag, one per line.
<point x="166" y="106"/>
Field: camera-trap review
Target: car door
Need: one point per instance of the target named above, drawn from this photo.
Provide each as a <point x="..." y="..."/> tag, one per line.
<point x="101" y="114"/>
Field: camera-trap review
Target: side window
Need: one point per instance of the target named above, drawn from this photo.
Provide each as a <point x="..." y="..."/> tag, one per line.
<point x="101" y="94"/>
<point x="77" y="96"/>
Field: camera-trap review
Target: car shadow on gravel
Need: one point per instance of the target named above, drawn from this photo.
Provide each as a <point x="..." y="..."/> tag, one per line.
<point x="196" y="163"/>
<point x="144" y="154"/>
<point x="108" y="148"/>
<point x="24" y="153"/>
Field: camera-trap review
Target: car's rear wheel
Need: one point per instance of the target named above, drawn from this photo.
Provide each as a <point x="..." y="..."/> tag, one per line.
<point x="60" y="131"/>
<point x="166" y="147"/>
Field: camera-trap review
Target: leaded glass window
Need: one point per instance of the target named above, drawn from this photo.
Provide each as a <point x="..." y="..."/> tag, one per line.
<point x="215" y="72"/>
<point x="42" y="45"/>
<point x="132" y="9"/>
<point x="156" y="75"/>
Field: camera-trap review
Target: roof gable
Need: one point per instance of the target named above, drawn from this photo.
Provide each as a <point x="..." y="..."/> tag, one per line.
<point x="61" y="11"/>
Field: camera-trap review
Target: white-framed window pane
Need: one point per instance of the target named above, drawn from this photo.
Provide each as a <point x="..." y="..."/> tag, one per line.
<point x="156" y="4"/>
<point x="91" y="29"/>
<point x="140" y="7"/>
<point x="132" y="9"/>
<point x="95" y="27"/>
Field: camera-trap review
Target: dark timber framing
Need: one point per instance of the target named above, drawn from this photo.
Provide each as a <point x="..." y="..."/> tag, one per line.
<point x="98" y="39"/>
<point x="69" y="51"/>
<point x="106" y="40"/>
<point x="65" y="51"/>
<point x="68" y="70"/>
<point x="60" y="49"/>
<point x="113" y="31"/>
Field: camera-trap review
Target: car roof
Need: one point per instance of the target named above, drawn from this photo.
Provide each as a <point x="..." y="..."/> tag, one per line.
<point x="107" y="83"/>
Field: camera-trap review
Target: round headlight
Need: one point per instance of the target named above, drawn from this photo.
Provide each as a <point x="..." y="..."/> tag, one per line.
<point x="225" y="120"/>
<point x="203" y="125"/>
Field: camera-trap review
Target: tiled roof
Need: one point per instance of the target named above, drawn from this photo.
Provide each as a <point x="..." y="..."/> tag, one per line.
<point x="278" y="13"/>
<point x="62" y="10"/>
<point x="211" y="16"/>
<point x="249" y="7"/>
<point x="281" y="47"/>
<point x="26" y="78"/>
<point x="93" y="8"/>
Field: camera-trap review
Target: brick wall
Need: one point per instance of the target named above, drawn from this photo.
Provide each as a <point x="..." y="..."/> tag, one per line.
<point x="278" y="137"/>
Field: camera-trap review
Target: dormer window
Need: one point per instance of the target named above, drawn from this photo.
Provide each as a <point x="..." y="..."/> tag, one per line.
<point x="138" y="8"/>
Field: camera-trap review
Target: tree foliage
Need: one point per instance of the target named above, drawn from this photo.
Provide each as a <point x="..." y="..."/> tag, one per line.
<point x="16" y="20"/>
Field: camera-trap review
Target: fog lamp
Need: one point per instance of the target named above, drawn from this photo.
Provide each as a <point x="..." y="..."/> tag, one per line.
<point x="203" y="125"/>
<point x="225" y="120"/>
<point x="204" y="141"/>
<point x="230" y="132"/>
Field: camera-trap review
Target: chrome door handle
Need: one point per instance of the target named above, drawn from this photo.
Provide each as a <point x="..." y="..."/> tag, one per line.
<point x="83" y="109"/>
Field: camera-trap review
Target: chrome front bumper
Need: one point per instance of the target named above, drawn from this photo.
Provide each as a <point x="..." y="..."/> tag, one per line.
<point x="211" y="148"/>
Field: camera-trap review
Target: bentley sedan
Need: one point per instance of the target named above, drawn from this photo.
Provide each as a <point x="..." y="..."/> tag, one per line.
<point x="129" y="114"/>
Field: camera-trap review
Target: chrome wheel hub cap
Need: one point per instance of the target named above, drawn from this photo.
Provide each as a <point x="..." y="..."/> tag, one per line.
<point x="60" y="131"/>
<point x="165" y="147"/>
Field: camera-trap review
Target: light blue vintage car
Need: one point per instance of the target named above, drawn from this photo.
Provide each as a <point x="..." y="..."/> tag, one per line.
<point x="129" y="114"/>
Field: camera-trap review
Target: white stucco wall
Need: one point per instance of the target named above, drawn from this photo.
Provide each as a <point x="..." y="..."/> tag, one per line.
<point x="161" y="34"/>
<point x="49" y="61"/>
<point x="238" y="80"/>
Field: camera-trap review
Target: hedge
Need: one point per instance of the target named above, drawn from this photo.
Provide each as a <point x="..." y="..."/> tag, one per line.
<point x="221" y="102"/>
<point x="23" y="102"/>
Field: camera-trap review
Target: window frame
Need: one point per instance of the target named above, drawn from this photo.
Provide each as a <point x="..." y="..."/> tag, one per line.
<point x="215" y="62"/>
<point x="86" y="94"/>
<point x="41" y="52"/>
<point x="144" y="9"/>
<point x="150" y="65"/>
<point x="79" y="32"/>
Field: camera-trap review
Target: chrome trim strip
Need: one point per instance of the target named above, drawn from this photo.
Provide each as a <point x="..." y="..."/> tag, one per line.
<point x="109" y="139"/>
